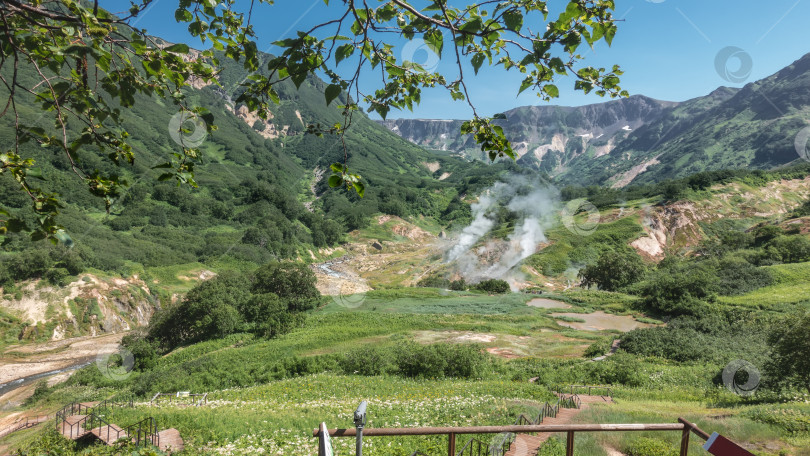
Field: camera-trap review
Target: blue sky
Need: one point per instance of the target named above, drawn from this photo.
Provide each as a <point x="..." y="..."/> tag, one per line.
<point x="667" y="48"/>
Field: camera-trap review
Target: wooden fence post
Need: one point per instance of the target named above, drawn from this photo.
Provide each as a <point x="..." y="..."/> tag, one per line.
<point x="685" y="440"/>
<point x="569" y="444"/>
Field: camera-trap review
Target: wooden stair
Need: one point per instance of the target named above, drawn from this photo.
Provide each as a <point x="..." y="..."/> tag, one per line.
<point x="71" y="427"/>
<point x="109" y="434"/>
<point x="170" y="440"/>
<point x="529" y="445"/>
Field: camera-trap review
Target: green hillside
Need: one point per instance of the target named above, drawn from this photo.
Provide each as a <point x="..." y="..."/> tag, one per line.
<point x="255" y="200"/>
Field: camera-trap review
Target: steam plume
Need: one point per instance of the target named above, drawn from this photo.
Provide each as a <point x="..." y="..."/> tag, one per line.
<point x="531" y="202"/>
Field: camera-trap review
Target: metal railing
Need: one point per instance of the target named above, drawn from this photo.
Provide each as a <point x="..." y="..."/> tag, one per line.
<point x="685" y="427"/>
<point x="502" y="445"/>
<point x="141" y="432"/>
<point x="144" y="431"/>
<point x="474" y="447"/>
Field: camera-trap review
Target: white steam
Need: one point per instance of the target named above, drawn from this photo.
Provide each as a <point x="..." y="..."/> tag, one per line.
<point x="534" y="205"/>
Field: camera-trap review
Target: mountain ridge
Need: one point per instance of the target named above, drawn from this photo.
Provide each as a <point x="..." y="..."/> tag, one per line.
<point x="642" y="140"/>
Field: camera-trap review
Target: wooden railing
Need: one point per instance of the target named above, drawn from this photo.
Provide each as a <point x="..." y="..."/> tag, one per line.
<point x="24" y="423"/>
<point x="604" y="391"/>
<point x="684" y="426"/>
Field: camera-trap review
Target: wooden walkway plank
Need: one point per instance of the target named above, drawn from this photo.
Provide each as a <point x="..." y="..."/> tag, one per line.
<point x="109" y="434"/>
<point x="529" y="445"/>
<point x="170" y="440"/>
<point x="71" y="427"/>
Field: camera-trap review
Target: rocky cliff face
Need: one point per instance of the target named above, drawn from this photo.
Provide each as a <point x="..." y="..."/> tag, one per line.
<point x="433" y="134"/>
<point x="544" y="137"/>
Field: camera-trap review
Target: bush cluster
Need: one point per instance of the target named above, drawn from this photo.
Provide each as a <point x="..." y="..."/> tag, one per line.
<point x="410" y="359"/>
<point x="493" y="286"/>
<point x="268" y="303"/>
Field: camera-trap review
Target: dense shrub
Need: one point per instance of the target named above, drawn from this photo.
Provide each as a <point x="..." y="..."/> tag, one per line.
<point x="710" y="337"/>
<point x="410" y="359"/>
<point x="803" y="210"/>
<point x="294" y="283"/>
<point x="619" y="369"/>
<point x="789" y="364"/>
<point x="433" y="282"/>
<point x="57" y="276"/>
<point x="678" y="287"/>
<point x="598" y="348"/>
<point x="493" y="286"/>
<point x="268" y="305"/>
<point x="144" y="352"/>
<point x="737" y="276"/>
<point x="614" y="269"/>
<point x="368" y="360"/>
<point x="458" y="285"/>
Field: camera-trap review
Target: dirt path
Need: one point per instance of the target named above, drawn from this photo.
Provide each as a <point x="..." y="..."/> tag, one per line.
<point x="613" y="348"/>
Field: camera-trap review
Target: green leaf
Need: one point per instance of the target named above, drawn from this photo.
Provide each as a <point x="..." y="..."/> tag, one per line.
<point x="36" y="173"/>
<point x="338" y="167"/>
<point x="551" y="90"/>
<point x="360" y="188"/>
<point x="343" y="52"/>
<point x="332" y="91"/>
<point x="477" y="60"/>
<point x="183" y="15"/>
<point x="435" y="41"/>
<point x="178" y="48"/>
<point x="474" y="25"/>
<point x="525" y="85"/>
<point x="15" y="225"/>
<point x="335" y="181"/>
<point x="513" y="20"/>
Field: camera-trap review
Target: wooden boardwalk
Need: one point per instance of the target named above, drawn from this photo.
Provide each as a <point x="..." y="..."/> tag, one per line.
<point x="109" y="434"/>
<point x="170" y="440"/>
<point x="529" y="445"/>
<point x="73" y="426"/>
